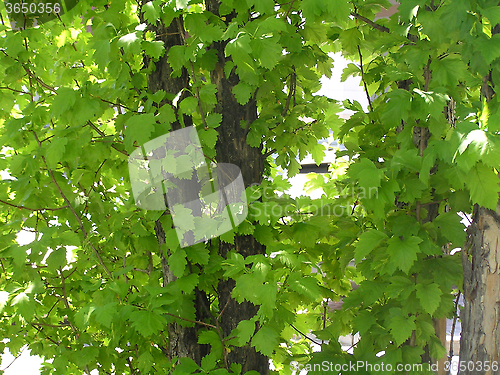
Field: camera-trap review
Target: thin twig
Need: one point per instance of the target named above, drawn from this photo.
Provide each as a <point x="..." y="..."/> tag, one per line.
<point x="32" y="209"/>
<point x="371" y="23"/>
<point x="289" y="9"/>
<point x="452" y="334"/>
<point x="192" y="321"/>
<point x="304" y="335"/>
<point x="363" y="79"/>
<point x="17" y="356"/>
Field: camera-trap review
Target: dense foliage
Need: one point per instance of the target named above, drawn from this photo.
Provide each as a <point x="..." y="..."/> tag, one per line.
<point x="87" y="293"/>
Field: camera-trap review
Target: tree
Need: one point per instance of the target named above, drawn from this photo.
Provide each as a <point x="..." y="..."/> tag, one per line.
<point x="106" y="285"/>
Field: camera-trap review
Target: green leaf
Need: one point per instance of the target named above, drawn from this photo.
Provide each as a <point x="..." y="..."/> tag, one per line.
<point x="146" y="322"/>
<point x="214" y="120"/>
<point x="151" y="12"/>
<point x="262" y="6"/>
<point x="131" y="43"/>
<point x="368" y="241"/>
<point x="429" y="296"/>
<point x="482" y="182"/>
<point x="401" y="327"/>
<point x="138" y="128"/>
<point x="265" y="340"/>
<point x="243" y="92"/>
<point x="197" y="254"/>
<point x="403" y="253"/>
<point x="186" y="366"/>
<point x="489" y="47"/>
<point x="146" y="362"/>
<point x="154" y="49"/>
<point x="448" y="70"/>
<point x="177" y="262"/>
<point x="267" y="51"/>
<point x="104" y="314"/>
<point x="54" y="153"/>
<point x="207" y="94"/>
<point x="306" y="286"/>
<point x="483" y="145"/>
<point x="177" y="57"/>
<point x="246" y="328"/>
<point x="208" y="137"/>
<point x="24" y="305"/>
<point x="367" y="173"/>
<point x="187" y="283"/>
<point x="318" y="153"/>
<point x="64" y="100"/>
<point x="492" y="13"/>
<point x="397" y="109"/>
<point x="57" y="259"/>
<point x="451" y="228"/>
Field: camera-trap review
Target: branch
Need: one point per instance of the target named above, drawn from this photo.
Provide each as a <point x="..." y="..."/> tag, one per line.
<point x="289" y="9"/>
<point x="197" y="89"/>
<point x="102" y="134"/>
<point x="452" y="333"/>
<point x="192" y="321"/>
<point x="371" y="23"/>
<point x="17" y="356"/>
<point x="304" y="335"/>
<point x="293" y="85"/>
<point x="80" y="223"/>
<point x="32" y="209"/>
<point x="363" y="79"/>
<point x="18" y="91"/>
<point x="40" y="82"/>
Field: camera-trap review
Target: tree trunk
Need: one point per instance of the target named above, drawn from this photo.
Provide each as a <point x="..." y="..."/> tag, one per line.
<point x="480" y="339"/>
<point x="232" y="148"/>
<point x="182" y="340"/>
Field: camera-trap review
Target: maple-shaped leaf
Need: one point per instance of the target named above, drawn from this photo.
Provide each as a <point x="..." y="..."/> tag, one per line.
<point x="54" y="153"/>
<point x="246" y="328"/>
<point x="400" y="326"/>
<point x="403" y="253"/>
<point x="243" y="92"/>
<point x="488" y="47"/>
<point x="65" y="99"/>
<point x="483" y="145"/>
<point x="482" y="182"/>
<point x="265" y="340"/>
<point x="177" y="262"/>
<point x="138" y="129"/>
<point x="104" y="314"/>
<point x="267" y="51"/>
<point x="397" y="108"/>
<point x="146" y="322"/>
<point x="429" y="296"/>
<point x="368" y="241"/>
<point x="154" y="49"/>
<point x="367" y="173"/>
<point x="451" y="227"/>
<point x="151" y="12"/>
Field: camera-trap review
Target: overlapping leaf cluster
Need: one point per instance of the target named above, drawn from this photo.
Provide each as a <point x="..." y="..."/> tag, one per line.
<point x="87" y="292"/>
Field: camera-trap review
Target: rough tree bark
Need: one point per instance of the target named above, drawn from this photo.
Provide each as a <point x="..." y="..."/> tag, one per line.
<point x="231" y="148"/>
<point x="182" y="340"/>
<point x="480" y="340"/>
<point x="480" y="317"/>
